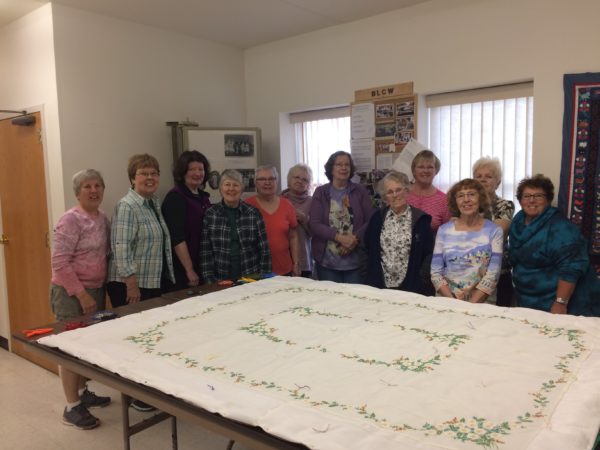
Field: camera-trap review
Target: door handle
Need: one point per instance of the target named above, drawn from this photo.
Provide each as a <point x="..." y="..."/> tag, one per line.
<point x="4" y="239"/>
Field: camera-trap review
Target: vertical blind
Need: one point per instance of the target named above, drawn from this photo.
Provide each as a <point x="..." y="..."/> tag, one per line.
<point x="318" y="139"/>
<point x="495" y="122"/>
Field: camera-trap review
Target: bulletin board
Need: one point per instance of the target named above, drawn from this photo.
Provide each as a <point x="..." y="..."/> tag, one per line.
<point x="394" y="117"/>
<point x="225" y="148"/>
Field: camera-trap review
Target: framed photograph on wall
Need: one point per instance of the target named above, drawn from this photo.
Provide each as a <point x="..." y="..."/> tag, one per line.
<point x="226" y="148"/>
<point x="239" y="145"/>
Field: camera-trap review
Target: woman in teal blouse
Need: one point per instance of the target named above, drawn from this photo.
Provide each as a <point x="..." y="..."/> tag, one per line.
<point x="549" y="256"/>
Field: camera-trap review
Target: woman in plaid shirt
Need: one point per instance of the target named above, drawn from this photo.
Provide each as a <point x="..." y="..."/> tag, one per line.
<point x="234" y="239"/>
<point x="141" y="262"/>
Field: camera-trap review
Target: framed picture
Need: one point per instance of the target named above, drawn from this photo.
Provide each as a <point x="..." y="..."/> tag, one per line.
<point x="405" y="108"/>
<point x="225" y="148"/>
<point x="385" y="129"/>
<point x="239" y="145"/>
<point x="384" y="111"/>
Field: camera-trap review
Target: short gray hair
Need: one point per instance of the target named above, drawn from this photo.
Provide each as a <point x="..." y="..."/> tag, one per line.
<point x="299" y="168"/>
<point x="84" y="175"/>
<point x="266" y="167"/>
<point x="231" y="175"/>
<point x="492" y="163"/>
<point x="398" y="177"/>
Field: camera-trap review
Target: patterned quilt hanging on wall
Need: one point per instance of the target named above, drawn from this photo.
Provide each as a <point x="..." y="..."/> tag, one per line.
<point x="579" y="194"/>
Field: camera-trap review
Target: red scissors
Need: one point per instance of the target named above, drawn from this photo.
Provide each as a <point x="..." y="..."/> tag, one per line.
<point x="37" y="331"/>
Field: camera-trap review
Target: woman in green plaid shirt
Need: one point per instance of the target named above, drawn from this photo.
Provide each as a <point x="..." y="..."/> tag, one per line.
<point x="141" y="262"/>
<point x="234" y="238"/>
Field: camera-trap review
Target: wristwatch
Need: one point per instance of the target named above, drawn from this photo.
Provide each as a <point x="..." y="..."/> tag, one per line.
<point x="562" y="301"/>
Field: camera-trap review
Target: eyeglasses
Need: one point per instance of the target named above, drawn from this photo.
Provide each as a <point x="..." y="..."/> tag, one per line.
<point x="148" y="174"/>
<point x="397" y="191"/>
<point x="264" y="180"/>
<point x="533" y="196"/>
<point x="465" y="195"/>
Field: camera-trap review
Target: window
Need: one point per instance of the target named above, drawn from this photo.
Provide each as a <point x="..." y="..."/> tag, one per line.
<point x="495" y="122"/>
<point x="319" y="134"/>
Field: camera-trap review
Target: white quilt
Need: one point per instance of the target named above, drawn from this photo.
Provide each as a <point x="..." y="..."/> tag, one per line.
<point x="338" y="366"/>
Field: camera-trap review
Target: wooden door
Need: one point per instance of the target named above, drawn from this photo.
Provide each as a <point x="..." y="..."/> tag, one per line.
<point x="25" y="224"/>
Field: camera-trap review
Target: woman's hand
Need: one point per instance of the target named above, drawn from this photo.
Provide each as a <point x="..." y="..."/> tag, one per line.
<point x="477" y="296"/>
<point x="301" y="217"/>
<point x="347" y="241"/>
<point x="445" y="291"/>
<point x="87" y="302"/>
<point x="133" y="291"/>
<point x="193" y="278"/>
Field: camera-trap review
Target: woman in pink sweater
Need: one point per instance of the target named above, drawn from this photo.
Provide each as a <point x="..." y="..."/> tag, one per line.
<point x="79" y="266"/>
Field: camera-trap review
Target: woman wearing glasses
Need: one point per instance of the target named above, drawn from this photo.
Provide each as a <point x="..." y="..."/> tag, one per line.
<point x="467" y="256"/>
<point x="280" y="220"/>
<point x="423" y="194"/>
<point x="141" y="262"/>
<point x="549" y="256"/>
<point x="399" y="240"/>
<point x="339" y="215"/>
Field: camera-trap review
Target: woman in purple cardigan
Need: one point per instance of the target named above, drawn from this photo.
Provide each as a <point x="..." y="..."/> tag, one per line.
<point x="183" y="210"/>
<point x="339" y="214"/>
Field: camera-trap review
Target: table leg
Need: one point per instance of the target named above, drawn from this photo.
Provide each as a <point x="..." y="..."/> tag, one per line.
<point x="174" y="432"/>
<point x="125" y="400"/>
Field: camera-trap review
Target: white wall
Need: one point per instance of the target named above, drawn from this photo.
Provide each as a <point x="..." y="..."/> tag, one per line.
<point x="441" y="46"/>
<point x="119" y="82"/>
<point x="28" y="81"/>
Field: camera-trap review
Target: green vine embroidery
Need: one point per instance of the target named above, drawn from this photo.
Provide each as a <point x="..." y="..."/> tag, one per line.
<point x="305" y="311"/>
<point x="262" y="329"/>
<point x="477" y="430"/>
<point x="402" y="363"/>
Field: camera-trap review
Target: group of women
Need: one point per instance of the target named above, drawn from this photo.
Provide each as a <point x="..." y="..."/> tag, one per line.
<point x="422" y="241"/>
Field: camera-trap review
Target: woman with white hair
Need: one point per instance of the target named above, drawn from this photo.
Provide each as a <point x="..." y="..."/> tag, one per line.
<point x="234" y="238"/>
<point x="280" y="220"/>
<point x="79" y="266"/>
<point x="489" y="173"/>
<point x="399" y="240"/>
<point x="299" y="180"/>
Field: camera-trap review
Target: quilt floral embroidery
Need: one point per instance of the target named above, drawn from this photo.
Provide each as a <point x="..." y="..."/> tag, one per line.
<point x="474" y="429"/>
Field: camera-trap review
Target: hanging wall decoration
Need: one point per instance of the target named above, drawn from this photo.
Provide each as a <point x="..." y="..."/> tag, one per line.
<point x="579" y="194"/>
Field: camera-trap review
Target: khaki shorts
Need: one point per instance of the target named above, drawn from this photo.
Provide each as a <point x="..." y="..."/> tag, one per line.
<point x="65" y="306"/>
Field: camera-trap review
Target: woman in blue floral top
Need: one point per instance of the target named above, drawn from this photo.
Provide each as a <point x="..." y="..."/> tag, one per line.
<point x="467" y="256"/>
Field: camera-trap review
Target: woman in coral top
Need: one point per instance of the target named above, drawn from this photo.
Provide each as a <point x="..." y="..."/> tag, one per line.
<point x="280" y="220"/>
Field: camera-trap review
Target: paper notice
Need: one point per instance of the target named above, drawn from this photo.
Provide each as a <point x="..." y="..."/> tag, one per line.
<point x="363" y="154"/>
<point x="363" y="121"/>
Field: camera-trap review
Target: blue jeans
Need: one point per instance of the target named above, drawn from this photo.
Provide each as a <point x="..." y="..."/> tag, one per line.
<point x="354" y="276"/>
